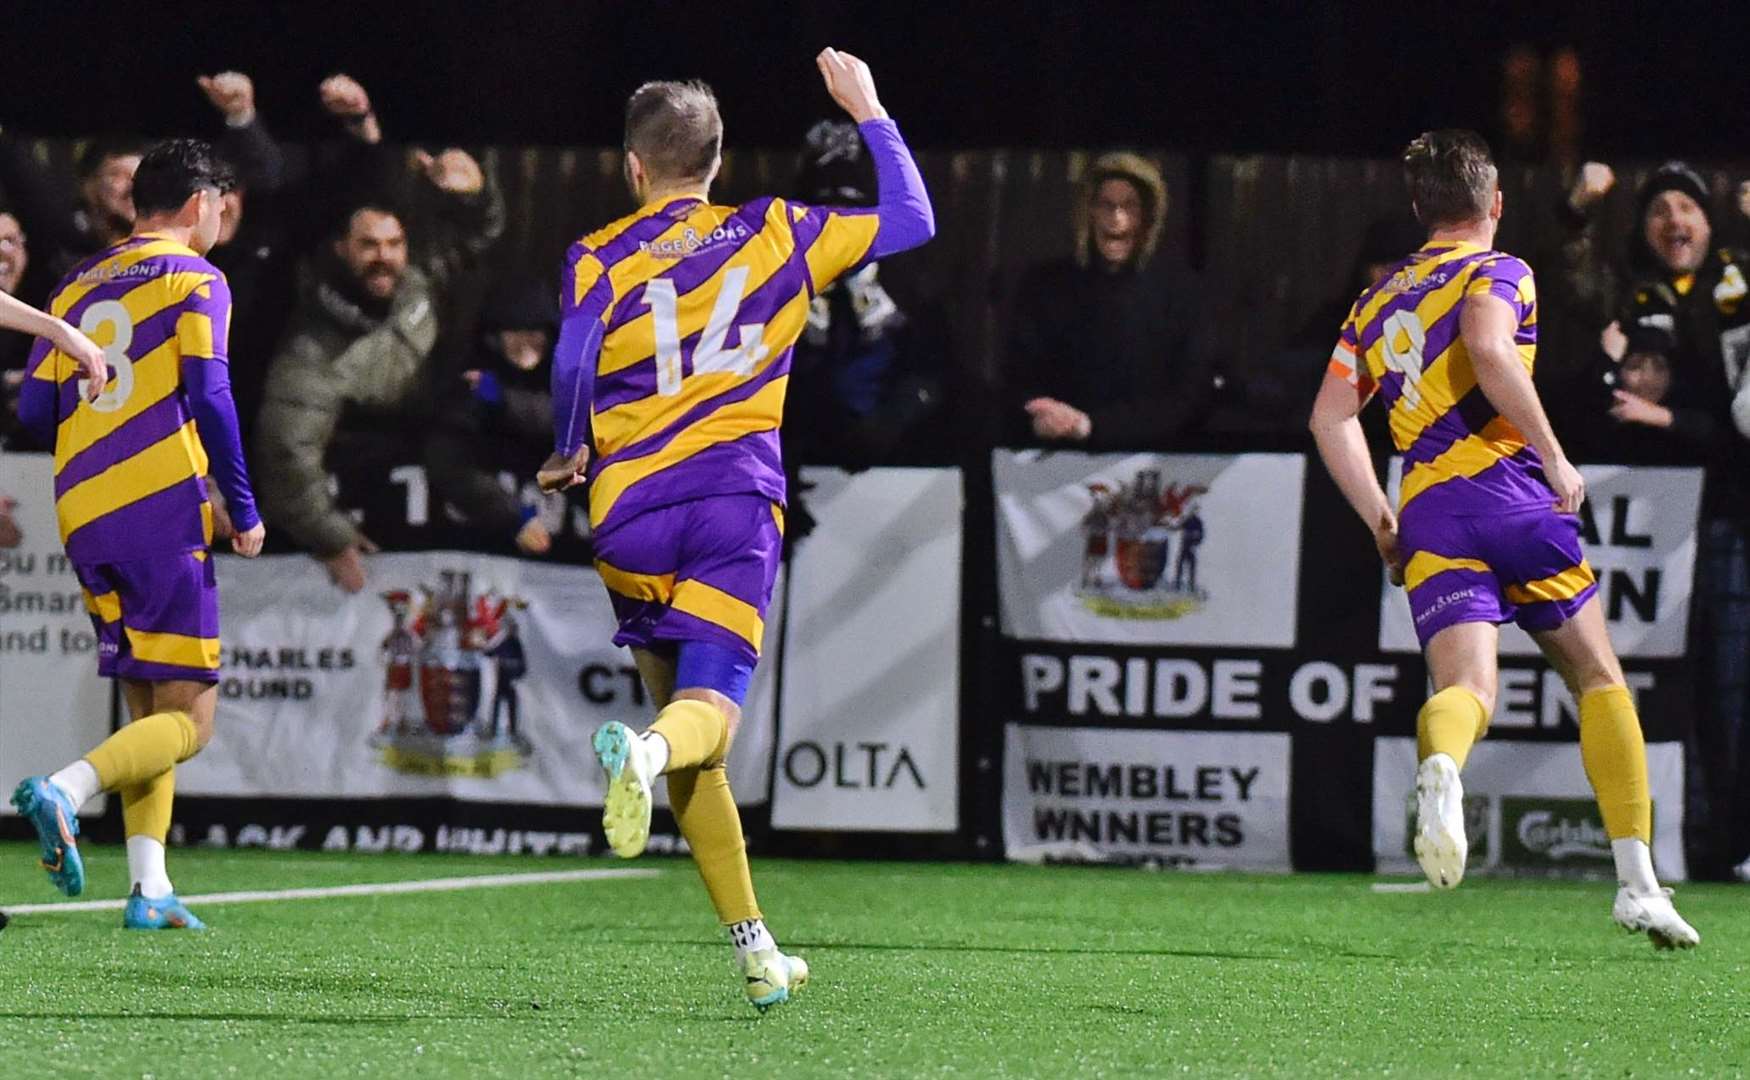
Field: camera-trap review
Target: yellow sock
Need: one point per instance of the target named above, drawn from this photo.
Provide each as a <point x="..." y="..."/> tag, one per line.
<point x="143" y="749"/>
<point x="146" y="806"/>
<point x="705" y="810"/>
<point x="1615" y="755"/>
<point x="1450" y="723"/>
<point x="696" y="734"/>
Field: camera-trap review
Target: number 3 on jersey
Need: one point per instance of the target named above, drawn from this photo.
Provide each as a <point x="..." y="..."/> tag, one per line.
<point x="115" y="354"/>
<point x="1403" y="340"/>
<point x="709" y="354"/>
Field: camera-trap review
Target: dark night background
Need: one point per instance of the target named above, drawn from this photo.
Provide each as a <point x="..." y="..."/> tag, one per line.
<point x="1659" y="80"/>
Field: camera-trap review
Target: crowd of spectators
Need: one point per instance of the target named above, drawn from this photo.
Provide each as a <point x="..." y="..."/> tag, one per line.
<point x="365" y="333"/>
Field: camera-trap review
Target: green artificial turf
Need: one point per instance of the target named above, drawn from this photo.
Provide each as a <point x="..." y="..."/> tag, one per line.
<point x="919" y="969"/>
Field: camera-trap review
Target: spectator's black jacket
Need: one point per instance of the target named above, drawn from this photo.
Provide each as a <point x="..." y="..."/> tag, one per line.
<point x="1131" y="349"/>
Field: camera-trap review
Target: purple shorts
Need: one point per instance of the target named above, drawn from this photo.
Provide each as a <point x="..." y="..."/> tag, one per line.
<point x="1522" y="566"/>
<point x="157" y="618"/>
<point x="695" y="571"/>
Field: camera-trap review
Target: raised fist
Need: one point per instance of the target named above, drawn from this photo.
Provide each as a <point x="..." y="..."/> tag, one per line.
<point x="344" y="97"/>
<point x="453" y="172"/>
<point x="1594" y="182"/>
<point x="232" y="93"/>
<point x="850" y="84"/>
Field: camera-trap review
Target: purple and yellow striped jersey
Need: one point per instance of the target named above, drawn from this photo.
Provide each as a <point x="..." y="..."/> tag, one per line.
<point x="1402" y="338"/>
<point x="697" y="307"/>
<point x="130" y="468"/>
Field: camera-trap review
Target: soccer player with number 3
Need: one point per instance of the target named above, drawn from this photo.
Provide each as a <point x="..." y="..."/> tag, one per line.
<point x="671" y="366"/>
<point x="130" y="491"/>
<point x="1486" y="531"/>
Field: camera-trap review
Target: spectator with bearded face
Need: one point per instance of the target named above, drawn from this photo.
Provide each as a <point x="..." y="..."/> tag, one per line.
<point x="356" y="363"/>
<point x="1109" y="347"/>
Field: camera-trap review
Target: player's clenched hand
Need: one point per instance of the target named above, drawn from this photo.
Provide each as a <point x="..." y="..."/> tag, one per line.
<point x="232" y="93"/>
<point x="454" y="172"/>
<point x="1385" y="538"/>
<point x="850" y="84"/>
<point x="1567" y="483"/>
<point x="84" y="352"/>
<point x="559" y="472"/>
<point x="248" y="542"/>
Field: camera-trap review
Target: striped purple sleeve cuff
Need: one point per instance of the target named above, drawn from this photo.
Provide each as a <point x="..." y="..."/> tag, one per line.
<point x="903" y="206"/>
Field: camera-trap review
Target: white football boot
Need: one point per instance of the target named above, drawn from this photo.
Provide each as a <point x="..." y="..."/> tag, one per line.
<point x="1441" y="846"/>
<point x="772" y="978"/>
<point x="626" y="808"/>
<point x="1654" y="916"/>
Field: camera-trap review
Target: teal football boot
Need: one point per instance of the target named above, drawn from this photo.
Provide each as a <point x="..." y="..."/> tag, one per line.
<point x="56" y="821"/>
<point x="164" y="913"/>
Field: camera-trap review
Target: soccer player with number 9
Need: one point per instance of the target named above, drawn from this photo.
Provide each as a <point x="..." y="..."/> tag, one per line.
<point x="1486" y="530"/>
<point x="671" y="367"/>
<point x="131" y="461"/>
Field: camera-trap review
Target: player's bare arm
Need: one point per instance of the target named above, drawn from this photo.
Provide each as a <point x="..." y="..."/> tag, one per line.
<point x="1336" y="428"/>
<point x="17" y="315"/>
<point x="1487" y="326"/>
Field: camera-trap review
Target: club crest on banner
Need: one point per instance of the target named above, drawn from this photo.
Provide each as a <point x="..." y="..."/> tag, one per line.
<point x="1140" y="547"/>
<point x="451" y="665"/>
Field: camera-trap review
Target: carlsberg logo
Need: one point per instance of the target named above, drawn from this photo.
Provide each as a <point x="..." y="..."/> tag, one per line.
<point x="1543" y="833"/>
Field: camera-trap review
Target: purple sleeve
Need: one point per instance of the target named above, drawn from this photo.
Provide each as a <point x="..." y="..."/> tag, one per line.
<point x="36" y="411"/>
<point x="208" y="383"/>
<point x="36" y="399"/>
<point x="206" y="377"/>
<point x="579" y="344"/>
<point x="903" y="204"/>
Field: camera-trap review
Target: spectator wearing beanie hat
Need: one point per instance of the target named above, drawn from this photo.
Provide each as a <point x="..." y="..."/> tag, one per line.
<point x="1702" y="288"/>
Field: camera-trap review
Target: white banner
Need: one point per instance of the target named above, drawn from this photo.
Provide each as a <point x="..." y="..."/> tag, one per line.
<point x="473" y="676"/>
<point x="1183" y="798"/>
<point x="1638" y="528"/>
<point x="1156" y="549"/>
<point x="1528" y="809"/>
<point x="53" y="707"/>
<point x="871" y="688"/>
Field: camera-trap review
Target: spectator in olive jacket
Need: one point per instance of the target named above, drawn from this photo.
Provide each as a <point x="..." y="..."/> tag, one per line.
<point x="360" y="343"/>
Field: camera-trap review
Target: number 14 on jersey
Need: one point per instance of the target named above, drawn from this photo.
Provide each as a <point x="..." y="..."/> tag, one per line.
<point x="709" y="354"/>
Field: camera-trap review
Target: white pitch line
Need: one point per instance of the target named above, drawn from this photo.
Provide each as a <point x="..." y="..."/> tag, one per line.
<point x="1402" y="887"/>
<point x="384" y="888"/>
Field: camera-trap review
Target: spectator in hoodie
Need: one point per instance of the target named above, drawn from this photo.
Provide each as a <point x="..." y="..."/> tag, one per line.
<point x="1110" y="347"/>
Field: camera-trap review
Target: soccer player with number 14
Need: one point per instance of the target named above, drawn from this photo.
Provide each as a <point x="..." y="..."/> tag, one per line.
<point x="671" y="365"/>
<point x="130" y="492"/>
